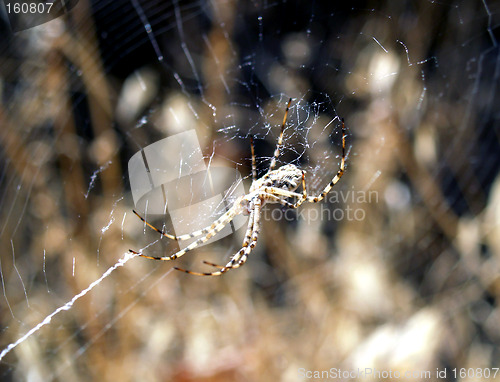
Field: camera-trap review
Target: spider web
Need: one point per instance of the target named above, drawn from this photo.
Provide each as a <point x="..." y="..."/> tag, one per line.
<point x="396" y="271"/>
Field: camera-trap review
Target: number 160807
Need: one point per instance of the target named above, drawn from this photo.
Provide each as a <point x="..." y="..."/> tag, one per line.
<point x="478" y="372"/>
<point x="24" y="8"/>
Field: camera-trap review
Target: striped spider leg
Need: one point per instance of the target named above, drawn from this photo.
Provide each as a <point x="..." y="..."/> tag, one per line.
<point x="276" y="186"/>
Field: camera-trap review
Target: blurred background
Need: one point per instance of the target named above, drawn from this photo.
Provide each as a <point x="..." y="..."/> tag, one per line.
<point x="409" y="283"/>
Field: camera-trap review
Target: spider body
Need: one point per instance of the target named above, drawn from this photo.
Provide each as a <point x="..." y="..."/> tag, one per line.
<point x="287" y="178"/>
<point x="276" y="186"/>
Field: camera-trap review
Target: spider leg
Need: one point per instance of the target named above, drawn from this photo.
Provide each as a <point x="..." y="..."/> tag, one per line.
<point x="278" y="191"/>
<point x="224" y="267"/>
<point x="336" y="178"/>
<point x="211" y="264"/>
<point x="255" y="236"/>
<point x="219" y="225"/>
<point x="276" y="199"/>
<point x="254" y="166"/>
<point x="200" y="232"/>
<point x="304" y="192"/>
<point x="280" y="139"/>
<point x="240" y="257"/>
<point x="271" y="192"/>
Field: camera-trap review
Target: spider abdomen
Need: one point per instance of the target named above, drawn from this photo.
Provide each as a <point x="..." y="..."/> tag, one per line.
<point x="287" y="177"/>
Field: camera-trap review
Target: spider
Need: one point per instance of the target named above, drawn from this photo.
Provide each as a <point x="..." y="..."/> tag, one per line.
<point x="274" y="187"/>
